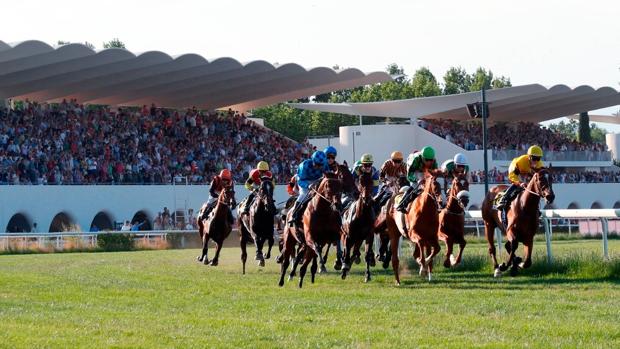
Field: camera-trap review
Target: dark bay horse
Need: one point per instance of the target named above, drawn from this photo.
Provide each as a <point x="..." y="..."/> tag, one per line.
<point x="358" y="226"/>
<point x="452" y="222"/>
<point x="419" y="226"/>
<point x="321" y="225"/>
<point x="258" y="225"/>
<point x="217" y="226"/>
<point x="522" y="221"/>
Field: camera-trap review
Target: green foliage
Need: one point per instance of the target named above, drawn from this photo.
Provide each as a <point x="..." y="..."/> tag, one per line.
<point x="115" y="242"/>
<point x="584" y="135"/>
<point x="456" y="80"/>
<point x="114" y="43"/>
<point x="424" y="83"/>
<point x="567" y="129"/>
<point x="597" y="134"/>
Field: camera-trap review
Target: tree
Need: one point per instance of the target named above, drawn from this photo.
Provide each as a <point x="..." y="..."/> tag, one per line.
<point x="114" y="43"/>
<point x="567" y="129"/>
<point x="424" y="83"/>
<point x="501" y="82"/>
<point x="597" y="134"/>
<point x="584" y="128"/>
<point x="481" y="78"/>
<point x="456" y="80"/>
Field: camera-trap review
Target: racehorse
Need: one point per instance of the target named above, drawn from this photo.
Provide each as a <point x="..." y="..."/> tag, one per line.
<point x="419" y="225"/>
<point x="522" y="221"/>
<point x="452" y="222"/>
<point x="321" y="225"/>
<point x="357" y="226"/>
<point x="380" y="225"/>
<point x="217" y="226"/>
<point x="258" y="224"/>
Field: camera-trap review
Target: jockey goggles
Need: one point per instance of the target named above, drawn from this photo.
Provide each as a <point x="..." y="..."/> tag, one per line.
<point x="367" y="165"/>
<point x="397" y="161"/>
<point x="333" y="157"/>
<point x="534" y="158"/>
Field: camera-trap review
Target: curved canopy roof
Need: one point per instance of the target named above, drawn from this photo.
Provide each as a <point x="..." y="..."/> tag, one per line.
<point x="533" y="103"/>
<point x="38" y="71"/>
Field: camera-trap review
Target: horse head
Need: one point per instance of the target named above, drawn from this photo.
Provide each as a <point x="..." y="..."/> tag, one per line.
<point x="265" y="193"/>
<point x="432" y="188"/>
<point x="227" y="196"/>
<point x="365" y="187"/>
<point x="542" y="182"/>
<point x="459" y="183"/>
<point x="331" y="189"/>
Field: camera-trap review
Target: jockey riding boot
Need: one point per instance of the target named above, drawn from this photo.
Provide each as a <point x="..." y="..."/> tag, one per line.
<point x="504" y="201"/>
<point x="248" y="203"/>
<point x="404" y="202"/>
<point x="231" y="219"/>
<point x="296" y="213"/>
<point x="505" y="217"/>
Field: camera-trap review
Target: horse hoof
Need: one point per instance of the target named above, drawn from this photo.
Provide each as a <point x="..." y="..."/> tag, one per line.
<point x="380" y="257"/>
<point x="337" y="265"/>
<point x="447" y="264"/>
<point x="386" y="264"/>
<point x="291" y="277"/>
<point x="267" y="256"/>
<point x="261" y="263"/>
<point x="430" y="277"/>
<point x="199" y="258"/>
<point x="279" y="259"/>
<point x="397" y="283"/>
<point x="205" y="261"/>
<point x="503" y="267"/>
<point x="372" y="262"/>
<point x="453" y="260"/>
<point x="343" y="276"/>
<point x="517" y="260"/>
<point x="322" y="270"/>
<point x="367" y="279"/>
<point x="498" y="273"/>
<point x="214" y="263"/>
<point x="514" y="271"/>
<point x="358" y="260"/>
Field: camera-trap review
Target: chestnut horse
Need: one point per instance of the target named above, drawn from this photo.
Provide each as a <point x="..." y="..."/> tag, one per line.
<point x="217" y="226"/>
<point x="357" y="226"/>
<point x="321" y="225"/>
<point x="380" y="224"/>
<point x="419" y="225"/>
<point x="258" y="224"/>
<point x="522" y="221"/>
<point x="452" y="222"/>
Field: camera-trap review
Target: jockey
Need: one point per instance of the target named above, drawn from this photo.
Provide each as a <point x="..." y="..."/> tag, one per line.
<point x="308" y="172"/>
<point x="520" y="166"/>
<point x="417" y="162"/>
<point x="220" y="182"/>
<point x="454" y="167"/>
<point x="365" y="166"/>
<point x="391" y="171"/>
<point x="331" y="153"/>
<point x="253" y="182"/>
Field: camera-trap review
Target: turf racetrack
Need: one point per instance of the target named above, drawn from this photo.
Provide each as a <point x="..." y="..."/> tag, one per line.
<point x="155" y="299"/>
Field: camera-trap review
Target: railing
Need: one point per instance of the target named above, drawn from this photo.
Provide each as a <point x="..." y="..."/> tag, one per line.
<point x="586" y="155"/>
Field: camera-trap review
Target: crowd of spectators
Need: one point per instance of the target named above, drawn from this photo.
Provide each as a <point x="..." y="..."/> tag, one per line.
<point x="68" y="143"/>
<point x="498" y="177"/>
<point x="502" y="136"/>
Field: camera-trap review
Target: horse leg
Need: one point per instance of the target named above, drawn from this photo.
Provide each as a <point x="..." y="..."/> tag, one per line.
<point x="489" y="234"/>
<point x="326" y="252"/>
<point x="289" y="247"/>
<point x="339" y="256"/>
<point x="218" y="248"/>
<point x="370" y="258"/>
<point x="434" y="250"/>
<point x="528" y="247"/>
<point x="201" y="257"/>
<point x="298" y="258"/>
<point x="514" y="269"/>
<point x="394" y="252"/>
<point x="244" y="252"/>
<point x="260" y="241"/>
<point x="369" y="242"/>
<point x="388" y="254"/>
<point x="313" y="269"/>
<point x="449" y="246"/>
<point x="205" y="249"/>
<point x="346" y="265"/>
<point x="310" y="253"/>
<point x="419" y="248"/>
<point x="270" y="242"/>
<point x="462" y="244"/>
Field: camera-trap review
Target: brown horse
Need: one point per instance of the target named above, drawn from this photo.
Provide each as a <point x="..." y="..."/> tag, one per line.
<point x="380" y="224"/>
<point x="522" y="221"/>
<point x="321" y="225"/>
<point x="452" y="222"/>
<point x="217" y="226"/>
<point x="357" y="226"/>
<point x="258" y="224"/>
<point x="419" y="226"/>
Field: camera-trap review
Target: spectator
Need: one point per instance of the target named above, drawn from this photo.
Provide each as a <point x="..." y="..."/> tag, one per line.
<point x="126" y="226"/>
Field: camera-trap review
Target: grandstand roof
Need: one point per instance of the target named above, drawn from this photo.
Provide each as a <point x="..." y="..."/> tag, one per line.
<point x="38" y="71"/>
<point x="533" y="103"/>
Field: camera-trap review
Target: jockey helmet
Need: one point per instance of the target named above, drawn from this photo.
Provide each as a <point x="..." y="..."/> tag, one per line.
<point x="535" y="151"/>
<point x="396" y="155"/>
<point x="262" y="166"/>
<point x="460" y="159"/>
<point x="225" y="174"/>
<point x="330" y="151"/>
<point x="428" y="153"/>
<point x="366" y="159"/>
<point x="319" y="158"/>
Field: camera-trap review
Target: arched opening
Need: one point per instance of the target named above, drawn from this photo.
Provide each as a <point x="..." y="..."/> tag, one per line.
<point x="143" y="219"/>
<point x="617" y="204"/>
<point x="102" y="221"/>
<point x="19" y="223"/>
<point x="596" y="204"/>
<point x="573" y="206"/>
<point x="63" y="222"/>
<point x="473" y="208"/>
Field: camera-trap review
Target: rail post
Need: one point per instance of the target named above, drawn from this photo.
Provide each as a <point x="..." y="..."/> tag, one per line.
<point x="498" y="234"/>
<point x="604" y="223"/>
<point x="547" y="225"/>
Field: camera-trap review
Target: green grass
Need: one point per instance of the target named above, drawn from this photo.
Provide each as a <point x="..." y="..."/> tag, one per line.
<point x="165" y="299"/>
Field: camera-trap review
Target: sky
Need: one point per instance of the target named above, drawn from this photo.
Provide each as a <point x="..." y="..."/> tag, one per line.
<point x="548" y="42"/>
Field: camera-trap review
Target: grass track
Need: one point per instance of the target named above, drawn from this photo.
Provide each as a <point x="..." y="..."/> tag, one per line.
<point x="165" y="299"/>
